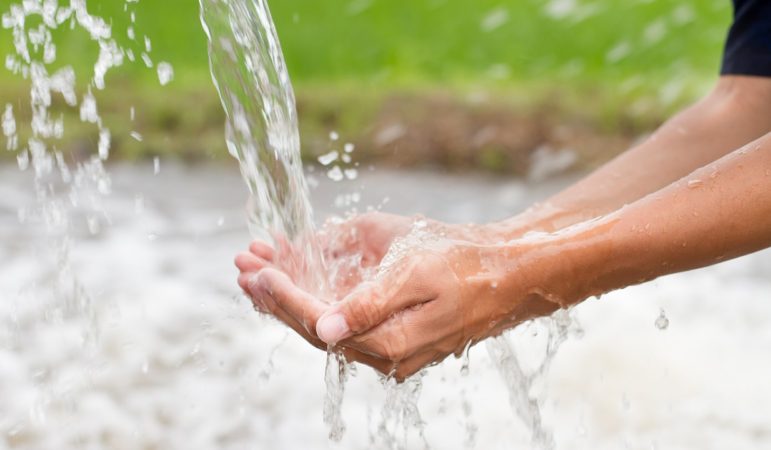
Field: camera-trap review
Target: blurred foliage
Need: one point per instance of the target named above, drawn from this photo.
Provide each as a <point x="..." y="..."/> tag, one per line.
<point x="620" y="66"/>
<point x="384" y="41"/>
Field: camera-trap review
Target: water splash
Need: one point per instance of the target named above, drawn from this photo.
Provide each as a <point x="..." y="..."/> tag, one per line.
<point x="335" y="376"/>
<point x="68" y="190"/>
<point x="400" y="414"/>
<point x="251" y="77"/>
<point x="521" y="383"/>
<point x="662" y="322"/>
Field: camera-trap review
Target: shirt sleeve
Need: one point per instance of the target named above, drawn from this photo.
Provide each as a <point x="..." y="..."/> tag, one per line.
<point x="748" y="48"/>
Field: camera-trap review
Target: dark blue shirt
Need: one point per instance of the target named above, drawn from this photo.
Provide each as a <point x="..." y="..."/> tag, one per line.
<point x="748" y="48"/>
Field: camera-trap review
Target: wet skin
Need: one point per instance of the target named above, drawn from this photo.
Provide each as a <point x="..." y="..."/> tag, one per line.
<point x="691" y="199"/>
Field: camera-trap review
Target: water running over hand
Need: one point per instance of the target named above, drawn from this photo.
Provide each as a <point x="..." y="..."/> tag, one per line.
<point x="251" y="77"/>
<point x="250" y="74"/>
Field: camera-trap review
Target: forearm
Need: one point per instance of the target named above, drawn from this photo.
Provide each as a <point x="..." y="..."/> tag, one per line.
<point x="718" y="212"/>
<point x="736" y="112"/>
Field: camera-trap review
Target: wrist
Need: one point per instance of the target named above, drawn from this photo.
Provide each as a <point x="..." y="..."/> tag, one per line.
<point x="565" y="267"/>
<point x="543" y="217"/>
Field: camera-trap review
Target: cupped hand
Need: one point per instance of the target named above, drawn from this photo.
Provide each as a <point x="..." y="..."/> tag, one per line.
<point x="435" y="301"/>
<point x="350" y="248"/>
<point x="431" y="302"/>
<point x="266" y="285"/>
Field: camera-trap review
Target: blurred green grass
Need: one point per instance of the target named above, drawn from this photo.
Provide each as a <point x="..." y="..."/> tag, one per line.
<point x="608" y="62"/>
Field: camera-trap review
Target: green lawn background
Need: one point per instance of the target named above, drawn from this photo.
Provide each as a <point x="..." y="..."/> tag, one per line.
<point x="592" y="57"/>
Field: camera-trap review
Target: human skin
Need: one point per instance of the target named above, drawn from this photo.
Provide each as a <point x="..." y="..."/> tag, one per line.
<point x="735" y="112"/>
<point x="478" y="281"/>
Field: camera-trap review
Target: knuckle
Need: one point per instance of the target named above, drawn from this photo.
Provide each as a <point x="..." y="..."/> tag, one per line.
<point x="361" y="314"/>
<point x="266" y="280"/>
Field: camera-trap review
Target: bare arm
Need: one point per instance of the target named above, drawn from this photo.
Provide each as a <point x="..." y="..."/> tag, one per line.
<point x="692" y="201"/>
<point x="737" y="111"/>
<point x="439" y="299"/>
<point x="718" y="212"/>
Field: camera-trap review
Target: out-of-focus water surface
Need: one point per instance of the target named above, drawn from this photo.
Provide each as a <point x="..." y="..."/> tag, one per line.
<point x="181" y="361"/>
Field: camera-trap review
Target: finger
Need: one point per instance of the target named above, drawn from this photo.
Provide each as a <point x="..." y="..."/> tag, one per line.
<point x="262" y="249"/>
<point x="408" y="285"/>
<point x="432" y="326"/>
<point x="249" y="262"/>
<point x="302" y="306"/>
<point x="245" y="281"/>
<point x="273" y="307"/>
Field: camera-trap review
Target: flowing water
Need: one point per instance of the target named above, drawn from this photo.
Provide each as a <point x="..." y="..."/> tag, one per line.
<point x="180" y="365"/>
<point x="249" y="72"/>
<point x="68" y="190"/>
<point x="116" y="336"/>
<point x="251" y="77"/>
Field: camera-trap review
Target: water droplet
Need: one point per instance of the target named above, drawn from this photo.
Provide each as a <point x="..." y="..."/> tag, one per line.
<point x="9" y="121"/>
<point x="464" y="368"/>
<point x="494" y="19"/>
<point x="349" y="148"/>
<point x="22" y="159"/>
<point x="156" y="165"/>
<point x="334" y="136"/>
<point x="88" y="112"/>
<point x="335" y="174"/>
<point x="165" y="73"/>
<point x="328" y="158"/>
<point x="136" y="136"/>
<point x="104" y="144"/>
<point x="146" y="59"/>
<point x="662" y="322"/>
<point x="351" y="174"/>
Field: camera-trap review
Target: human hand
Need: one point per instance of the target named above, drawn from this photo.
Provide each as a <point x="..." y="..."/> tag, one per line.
<point x="453" y="288"/>
<point x="350" y="248"/>
<point x="438" y="300"/>
<point x="263" y="282"/>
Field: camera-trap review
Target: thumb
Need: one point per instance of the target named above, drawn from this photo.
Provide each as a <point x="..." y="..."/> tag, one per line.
<point x="406" y="285"/>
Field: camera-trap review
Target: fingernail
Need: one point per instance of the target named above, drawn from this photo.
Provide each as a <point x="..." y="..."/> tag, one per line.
<point x="332" y="329"/>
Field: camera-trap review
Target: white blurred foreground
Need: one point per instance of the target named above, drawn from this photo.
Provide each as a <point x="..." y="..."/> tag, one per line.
<point x="180" y="361"/>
